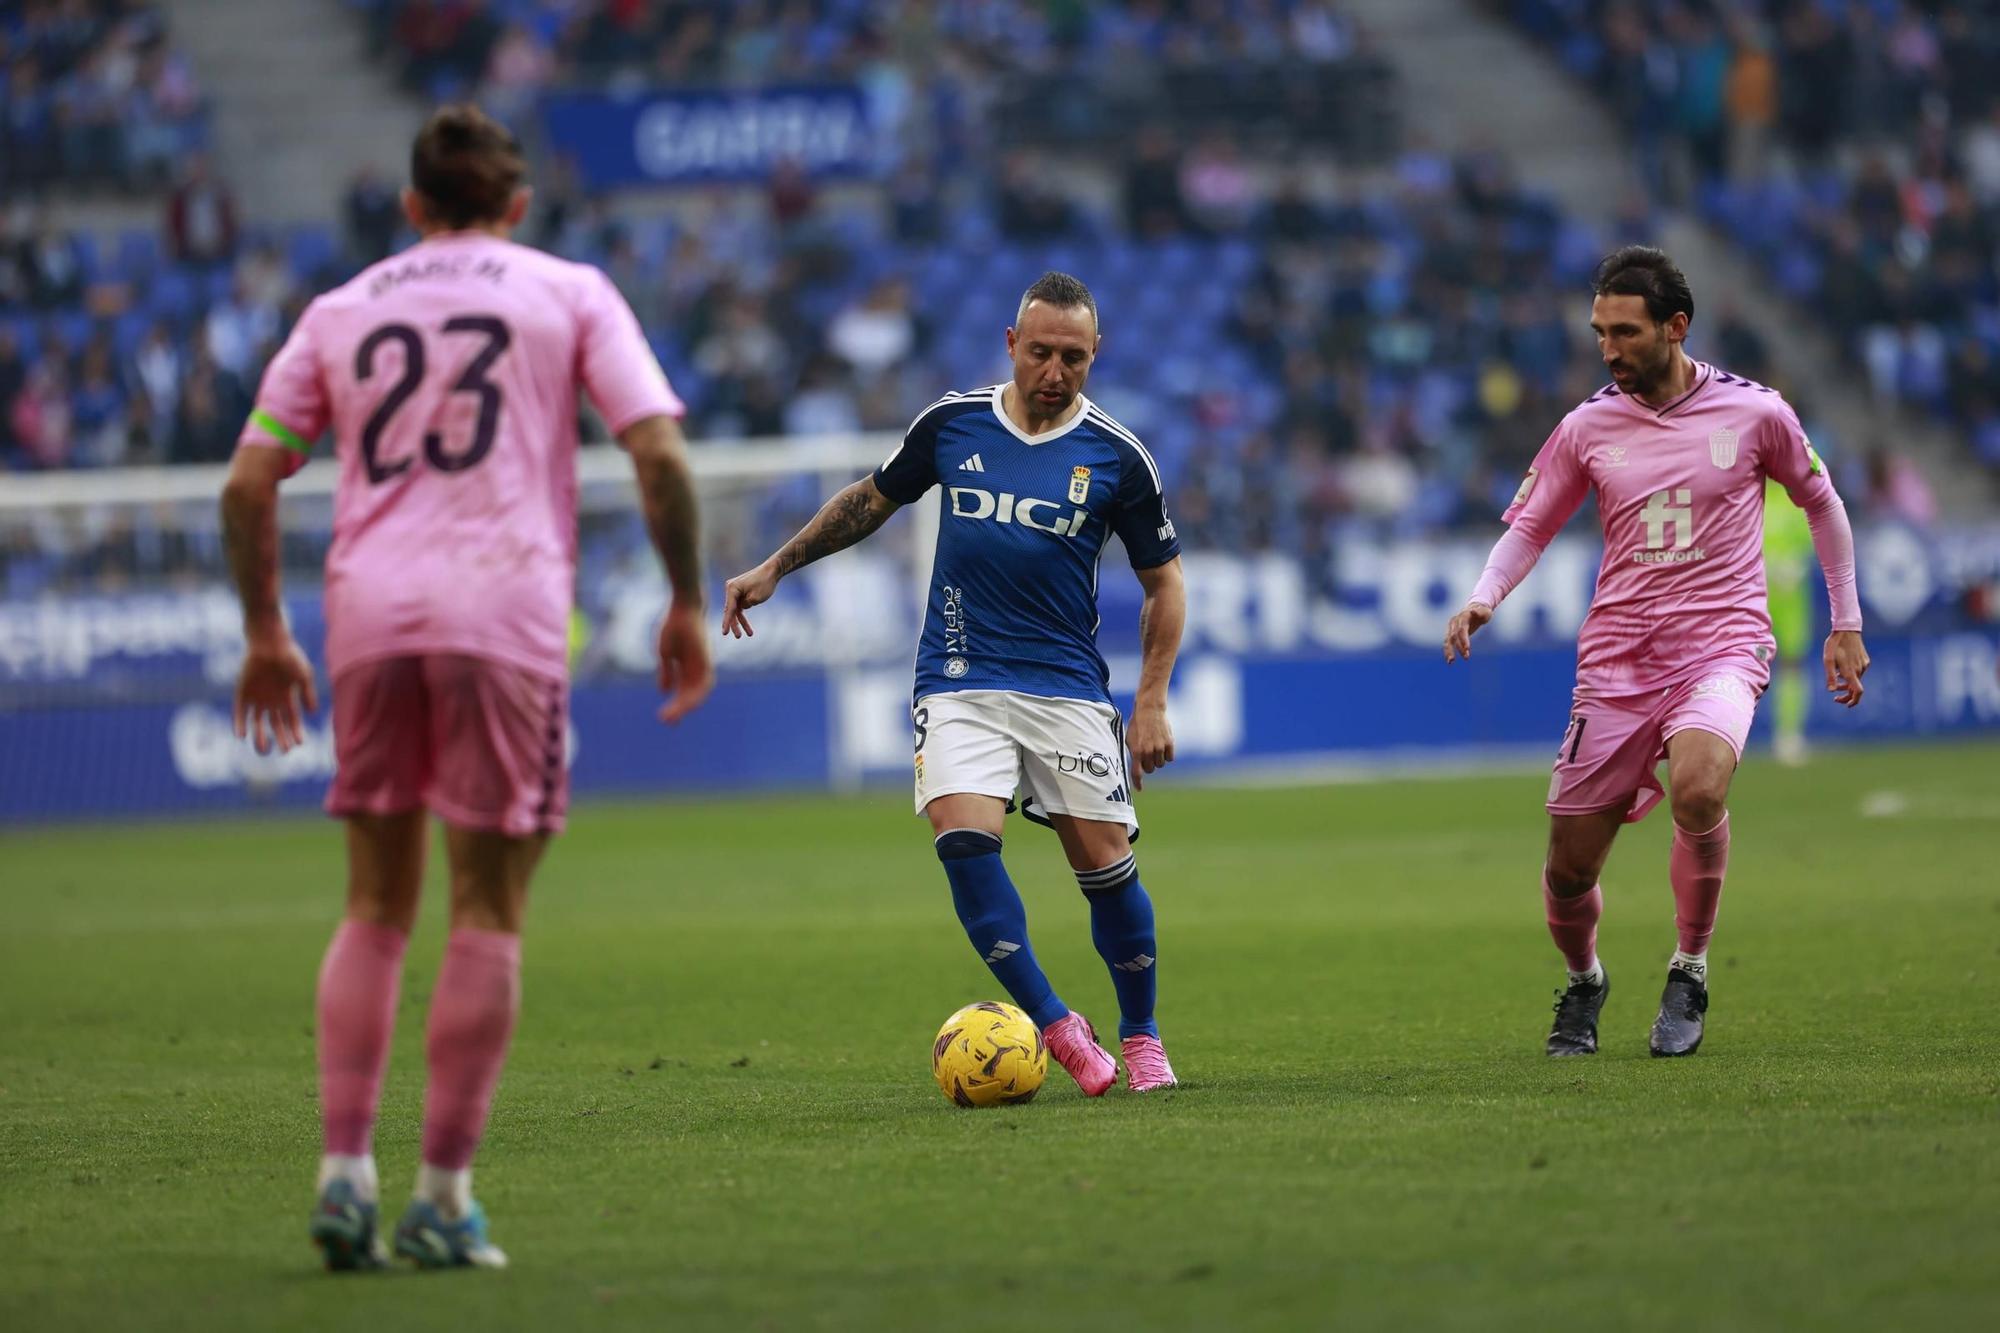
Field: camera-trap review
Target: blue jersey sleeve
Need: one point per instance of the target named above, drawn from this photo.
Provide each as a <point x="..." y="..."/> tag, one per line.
<point x="912" y="469"/>
<point x="1140" y="520"/>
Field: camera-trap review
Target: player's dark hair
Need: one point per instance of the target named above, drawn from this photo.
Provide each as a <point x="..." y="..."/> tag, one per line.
<point x="1642" y="270"/>
<point x="466" y="165"/>
<point x="1059" y="290"/>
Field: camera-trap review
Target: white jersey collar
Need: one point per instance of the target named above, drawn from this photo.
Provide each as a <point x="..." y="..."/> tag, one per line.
<point x="1083" y="406"/>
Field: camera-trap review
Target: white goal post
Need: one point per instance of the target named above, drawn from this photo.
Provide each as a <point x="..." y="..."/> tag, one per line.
<point x="733" y="463"/>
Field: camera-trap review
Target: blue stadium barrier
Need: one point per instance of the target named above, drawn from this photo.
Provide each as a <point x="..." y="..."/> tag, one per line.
<point x="119" y="705"/>
<point x="775" y="732"/>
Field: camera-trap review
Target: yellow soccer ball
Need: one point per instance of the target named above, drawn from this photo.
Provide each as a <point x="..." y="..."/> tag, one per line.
<point x="989" y="1054"/>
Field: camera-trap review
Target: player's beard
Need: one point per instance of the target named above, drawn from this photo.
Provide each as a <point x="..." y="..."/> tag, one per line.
<point x="1647" y="380"/>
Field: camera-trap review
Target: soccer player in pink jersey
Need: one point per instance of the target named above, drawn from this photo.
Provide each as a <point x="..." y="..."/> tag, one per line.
<point x="1677" y="645"/>
<point x="449" y="377"/>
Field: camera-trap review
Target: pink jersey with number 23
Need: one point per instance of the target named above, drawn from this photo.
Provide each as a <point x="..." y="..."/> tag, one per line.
<point x="449" y="375"/>
<point x="1680" y="492"/>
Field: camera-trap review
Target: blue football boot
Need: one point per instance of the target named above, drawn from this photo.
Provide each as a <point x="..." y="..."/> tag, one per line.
<point x="425" y="1237"/>
<point x="344" y="1229"/>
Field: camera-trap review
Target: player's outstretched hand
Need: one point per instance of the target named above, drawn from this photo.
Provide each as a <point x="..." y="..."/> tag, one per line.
<point x="686" y="674"/>
<point x="743" y="592"/>
<point x="276" y="679"/>
<point x="1458" y="631"/>
<point x="1846" y="664"/>
<point x="1151" y="742"/>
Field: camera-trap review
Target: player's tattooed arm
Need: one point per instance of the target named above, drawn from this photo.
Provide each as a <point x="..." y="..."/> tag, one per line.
<point x="666" y="492"/>
<point x="848" y="517"/>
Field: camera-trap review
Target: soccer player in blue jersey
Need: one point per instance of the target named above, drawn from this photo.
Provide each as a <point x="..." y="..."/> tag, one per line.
<point x="1011" y="696"/>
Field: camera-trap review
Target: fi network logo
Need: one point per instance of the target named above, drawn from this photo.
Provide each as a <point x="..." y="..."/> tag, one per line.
<point x="1669" y="522"/>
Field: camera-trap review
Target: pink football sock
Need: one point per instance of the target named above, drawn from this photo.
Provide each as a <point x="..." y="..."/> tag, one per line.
<point x="1696" y="866"/>
<point x="472" y="1016"/>
<point x="1573" y="923"/>
<point x="358" y="981"/>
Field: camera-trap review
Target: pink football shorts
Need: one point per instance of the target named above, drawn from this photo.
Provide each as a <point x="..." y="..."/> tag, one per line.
<point x="1612" y="748"/>
<point x="481" y="743"/>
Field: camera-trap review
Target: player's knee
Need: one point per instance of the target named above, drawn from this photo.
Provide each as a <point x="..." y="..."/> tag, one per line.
<point x="483" y="902"/>
<point x="960" y="843"/>
<point x="1569" y="876"/>
<point x="1699" y="805"/>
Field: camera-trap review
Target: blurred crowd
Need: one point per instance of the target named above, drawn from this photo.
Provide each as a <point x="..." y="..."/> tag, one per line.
<point x="495" y="48"/>
<point x="1853" y="145"/>
<point x="1309" y="347"/>
<point x="94" y="95"/>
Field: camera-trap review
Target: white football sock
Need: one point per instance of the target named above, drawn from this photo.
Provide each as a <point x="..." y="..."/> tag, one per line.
<point x="450" y="1190"/>
<point x="1594" y="977"/>
<point x="1694" y="964"/>
<point x="356" y="1171"/>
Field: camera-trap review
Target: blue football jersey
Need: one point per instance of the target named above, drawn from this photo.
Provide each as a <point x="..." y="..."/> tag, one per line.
<point x="1024" y="520"/>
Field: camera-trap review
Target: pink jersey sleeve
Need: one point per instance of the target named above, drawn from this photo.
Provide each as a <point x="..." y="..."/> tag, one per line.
<point x="1790" y="460"/>
<point x="616" y="365"/>
<point x="292" y="406"/>
<point x="1549" y="497"/>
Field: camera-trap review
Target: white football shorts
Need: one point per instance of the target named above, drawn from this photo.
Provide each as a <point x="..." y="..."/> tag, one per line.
<point x="1052" y="756"/>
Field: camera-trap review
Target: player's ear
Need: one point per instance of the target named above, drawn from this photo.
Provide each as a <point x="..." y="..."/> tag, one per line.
<point x="1677" y="326"/>
<point x="413" y="209"/>
<point x="517" y="208"/>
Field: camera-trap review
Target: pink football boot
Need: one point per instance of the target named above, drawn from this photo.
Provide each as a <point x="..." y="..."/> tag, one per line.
<point x="1146" y="1066"/>
<point x="1073" y="1042"/>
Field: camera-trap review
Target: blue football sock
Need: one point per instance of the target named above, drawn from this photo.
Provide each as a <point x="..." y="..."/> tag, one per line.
<point x="989" y="907"/>
<point x="1121" y="926"/>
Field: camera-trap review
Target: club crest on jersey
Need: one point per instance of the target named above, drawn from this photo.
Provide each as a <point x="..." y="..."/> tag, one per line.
<point x="1722" y="448"/>
<point x="1079" y="485"/>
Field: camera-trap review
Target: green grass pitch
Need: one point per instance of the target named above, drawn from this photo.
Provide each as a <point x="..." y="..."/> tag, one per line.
<point x="719" y="1112"/>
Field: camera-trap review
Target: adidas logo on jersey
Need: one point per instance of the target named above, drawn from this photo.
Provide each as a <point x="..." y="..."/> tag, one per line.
<point x="972" y="464"/>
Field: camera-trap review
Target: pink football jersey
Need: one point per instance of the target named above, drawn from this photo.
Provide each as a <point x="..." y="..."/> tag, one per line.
<point x="1680" y="493"/>
<point x="449" y="374"/>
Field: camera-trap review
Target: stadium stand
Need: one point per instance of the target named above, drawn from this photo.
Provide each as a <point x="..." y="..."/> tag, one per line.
<point x="1305" y="356"/>
<point x="1854" y="150"/>
<point x="95" y="96"/>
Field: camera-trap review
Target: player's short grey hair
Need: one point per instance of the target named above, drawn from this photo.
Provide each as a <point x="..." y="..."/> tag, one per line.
<point x="1059" y="290"/>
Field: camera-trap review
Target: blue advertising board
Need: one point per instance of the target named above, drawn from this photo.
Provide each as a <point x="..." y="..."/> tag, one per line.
<point x="813" y="729"/>
<point x="712" y="136"/>
<point x="119" y="705"/>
